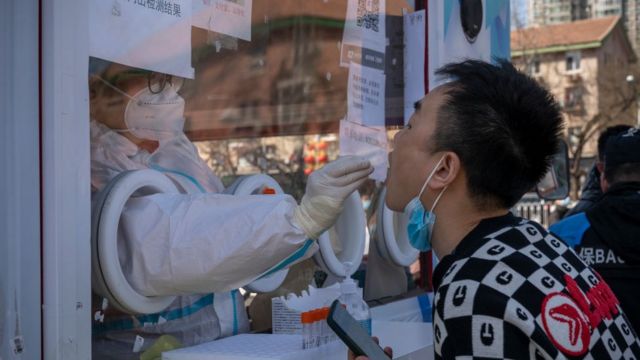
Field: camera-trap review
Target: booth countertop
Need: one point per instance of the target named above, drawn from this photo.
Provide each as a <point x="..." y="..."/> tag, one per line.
<point x="409" y="340"/>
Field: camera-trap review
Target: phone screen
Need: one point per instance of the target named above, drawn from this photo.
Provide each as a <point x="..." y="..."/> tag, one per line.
<point x="352" y="333"/>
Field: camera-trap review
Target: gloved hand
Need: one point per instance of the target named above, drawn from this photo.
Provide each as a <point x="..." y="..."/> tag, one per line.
<point x="327" y="189"/>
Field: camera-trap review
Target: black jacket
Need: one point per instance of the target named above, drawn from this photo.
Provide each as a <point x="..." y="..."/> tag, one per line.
<point x="607" y="237"/>
<point x="590" y="194"/>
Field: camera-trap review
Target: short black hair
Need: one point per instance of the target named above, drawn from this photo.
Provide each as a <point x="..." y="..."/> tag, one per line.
<point x="629" y="172"/>
<point x="622" y="157"/>
<point x="502" y="124"/>
<point x="606" y="135"/>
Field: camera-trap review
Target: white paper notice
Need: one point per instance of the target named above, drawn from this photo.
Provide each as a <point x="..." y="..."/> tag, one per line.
<point x="414" y="51"/>
<point x="229" y="17"/>
<point x="367" y="142"/>
<point x="148" y="34"/>
<point x="364" y="38"/>
<point x="137" y="345"/>
<point x="365" y="96"/>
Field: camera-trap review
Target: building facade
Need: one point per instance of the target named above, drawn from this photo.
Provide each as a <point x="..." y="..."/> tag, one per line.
<point x="589" y="66"/>
<point x="549" y="12"/>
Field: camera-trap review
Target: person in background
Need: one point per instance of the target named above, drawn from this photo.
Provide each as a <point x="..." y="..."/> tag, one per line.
<point x="592" y="191"/>
<point x="607" y="235"/>
<point x="198" y="244"/>
<point x="504" y="286"/>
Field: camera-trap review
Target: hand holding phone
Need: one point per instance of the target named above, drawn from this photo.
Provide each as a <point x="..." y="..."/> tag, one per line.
<point x="352" y="334"/>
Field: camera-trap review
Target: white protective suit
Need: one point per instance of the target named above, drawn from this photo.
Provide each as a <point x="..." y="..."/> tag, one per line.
<point x="200" y="241"/>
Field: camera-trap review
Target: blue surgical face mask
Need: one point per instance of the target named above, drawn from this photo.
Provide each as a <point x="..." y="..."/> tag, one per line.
<point x="421" y="222"/>
<point x="366" y="204"/>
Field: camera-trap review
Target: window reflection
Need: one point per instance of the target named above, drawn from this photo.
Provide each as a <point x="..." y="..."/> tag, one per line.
<point x="270" y="105"/>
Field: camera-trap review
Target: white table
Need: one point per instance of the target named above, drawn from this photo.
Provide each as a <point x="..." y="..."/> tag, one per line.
<point x="409" y="340"/>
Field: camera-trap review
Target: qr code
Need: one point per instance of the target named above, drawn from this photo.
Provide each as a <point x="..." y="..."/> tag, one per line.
<point x="369" y="14"/>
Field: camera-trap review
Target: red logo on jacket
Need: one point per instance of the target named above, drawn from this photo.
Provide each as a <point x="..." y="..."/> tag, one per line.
<point x="569" y="319"/>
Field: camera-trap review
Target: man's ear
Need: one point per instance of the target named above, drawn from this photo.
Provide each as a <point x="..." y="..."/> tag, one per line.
<point x="600" y="166"/>
<point x="447" y="172"/>
<point x="604" y="184"/>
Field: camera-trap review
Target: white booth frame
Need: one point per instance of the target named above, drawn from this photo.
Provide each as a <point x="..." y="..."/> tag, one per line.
<point x="66" y="189"/>
<point x="20" y="282"/>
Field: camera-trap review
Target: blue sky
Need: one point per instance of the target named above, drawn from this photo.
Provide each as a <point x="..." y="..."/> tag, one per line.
<point x="519" y="9"/>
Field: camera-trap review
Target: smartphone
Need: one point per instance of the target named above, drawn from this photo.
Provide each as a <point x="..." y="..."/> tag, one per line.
<point x="352" y="334"/>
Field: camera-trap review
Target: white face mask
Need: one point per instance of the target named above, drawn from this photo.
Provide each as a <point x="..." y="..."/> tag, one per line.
<point x="150" y="116"/>
<point x="155" y="116"/>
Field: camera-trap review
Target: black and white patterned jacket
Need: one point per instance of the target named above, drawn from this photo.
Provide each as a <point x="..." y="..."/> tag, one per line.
<point x="512" y="290"/>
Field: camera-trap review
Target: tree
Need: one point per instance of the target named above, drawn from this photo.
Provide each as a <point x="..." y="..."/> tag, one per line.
<point x="591" y="85"/>
<point x="281" y="158"/>
<point x="618" y="111"/>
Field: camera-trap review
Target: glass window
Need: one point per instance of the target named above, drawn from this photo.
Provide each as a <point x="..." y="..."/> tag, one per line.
<point x="533" y="68"/>
<point x="572" y="97"/>
<point x="270" y="105"/>
<point x="283" y="90"/>
<point x="572" y="61"/>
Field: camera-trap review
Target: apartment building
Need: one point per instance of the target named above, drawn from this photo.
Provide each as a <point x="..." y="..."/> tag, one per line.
<point x="589" y="66"/>
<point x="549" y="12"/>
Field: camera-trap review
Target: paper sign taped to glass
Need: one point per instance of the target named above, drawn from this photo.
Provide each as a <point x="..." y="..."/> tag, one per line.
<point x="229" y="17"/>
<point x="366" y="96"/>
<point x="364" y="37"/>
<point x="150" y="35"/>
<point x="368" y="142"/>
<point x="363" y="131"/>
<point x="414" y="56"/>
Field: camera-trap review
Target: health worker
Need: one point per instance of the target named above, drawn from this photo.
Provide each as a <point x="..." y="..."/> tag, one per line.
<point x="200" y="244"/>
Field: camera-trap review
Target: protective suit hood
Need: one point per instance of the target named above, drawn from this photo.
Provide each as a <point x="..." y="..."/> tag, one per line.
<point x="112" y="153"/>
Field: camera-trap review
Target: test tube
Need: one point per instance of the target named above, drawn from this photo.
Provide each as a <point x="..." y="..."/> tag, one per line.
<point x="328" y="333"/>
<point x="312" y="329"/>
<point x="323" y="323"/>
<point x="306" y="320"/>
<point x="317" y="327"/>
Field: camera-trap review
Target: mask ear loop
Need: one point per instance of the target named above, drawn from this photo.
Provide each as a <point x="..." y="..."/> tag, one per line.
<point x="441" y="192"/>
<point x="113" y="87"/>
<point x="165" y="79"/>
<point x="438" y="199"/>
<point x="424" y="186"/>
<point x="118" y="91"/>
<point x="433" y="172"/>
